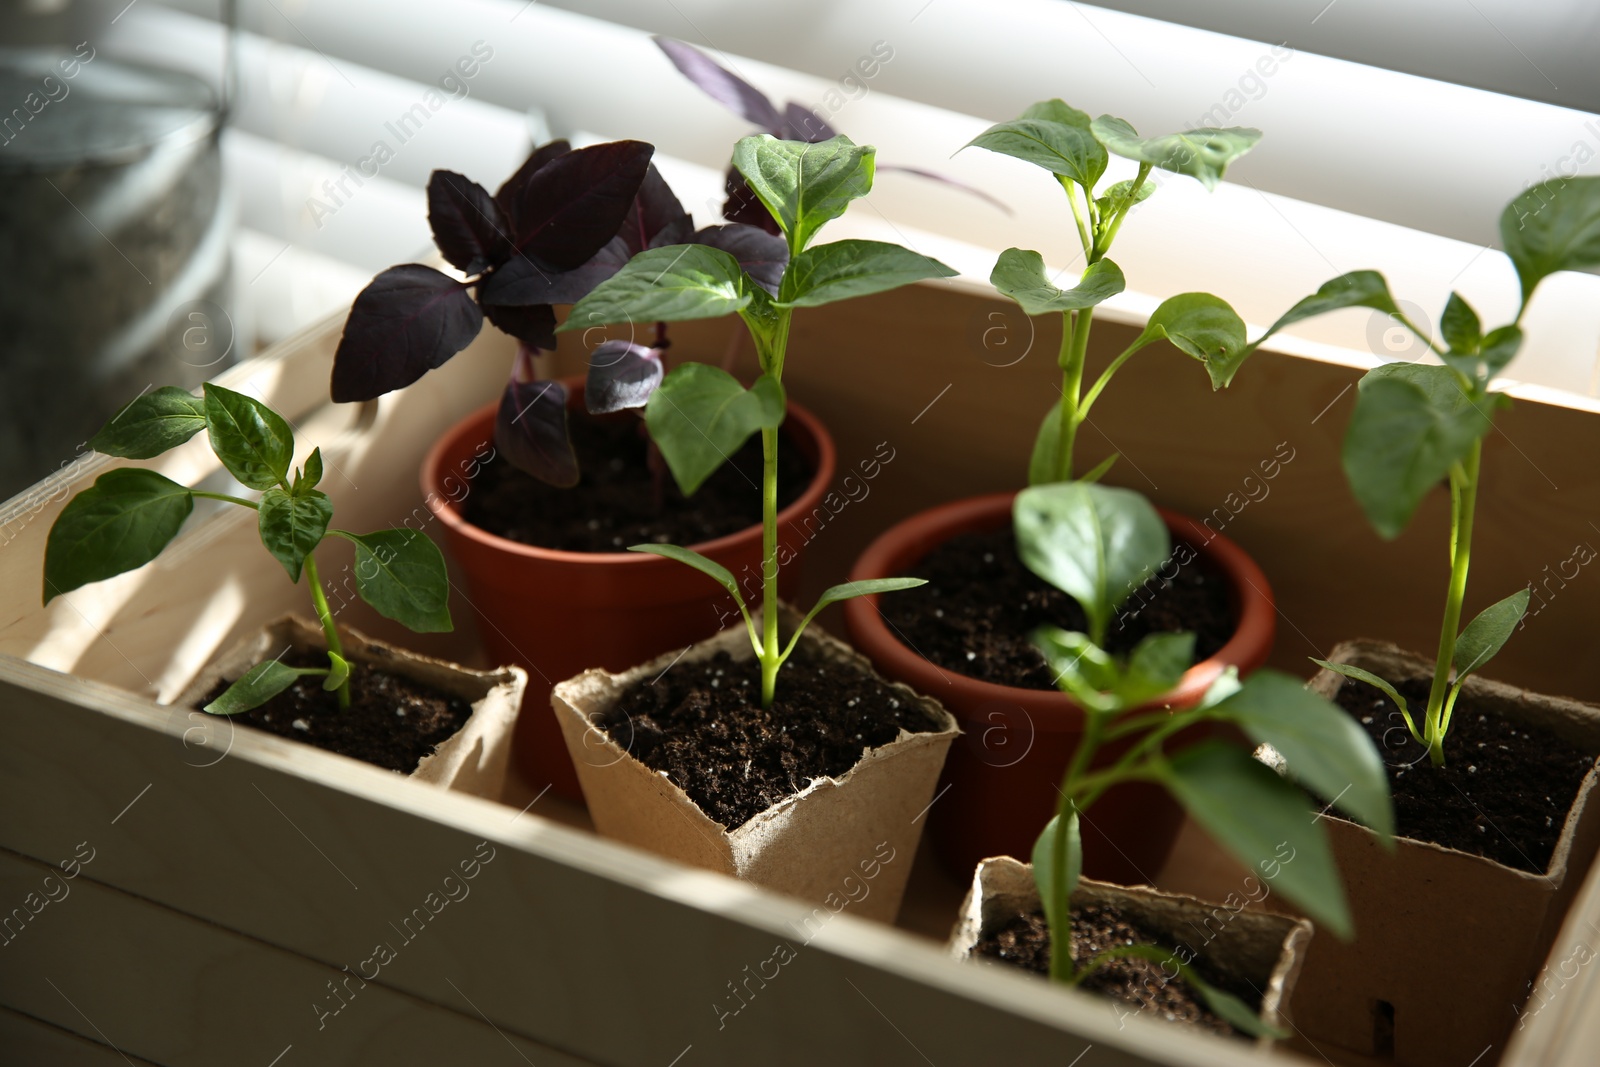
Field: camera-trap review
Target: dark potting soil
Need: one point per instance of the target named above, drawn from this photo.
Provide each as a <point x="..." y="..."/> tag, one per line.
<point x="1024" y="942"/>
<point x="614" y="504"/>
<point x="981" y="604"/>
<point x="702" y="723"/>
<point x="1504" y="789"/>
<point x="392" y="721"/>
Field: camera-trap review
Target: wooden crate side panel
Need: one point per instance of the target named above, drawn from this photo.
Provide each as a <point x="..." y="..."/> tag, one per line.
<point x="325" y="860"/>
<point x="182" y="992"/>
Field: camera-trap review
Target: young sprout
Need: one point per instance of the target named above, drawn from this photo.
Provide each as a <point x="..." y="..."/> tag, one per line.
<point x="131" y="514"/>
<point x="1096" y="543"/>
<point x="701" y="414"/>
<point x="1075" y="149"/>
<point x="1416" y="425"/>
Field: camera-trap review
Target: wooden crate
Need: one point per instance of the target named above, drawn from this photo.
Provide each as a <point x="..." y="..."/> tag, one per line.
<point x="239" y="885"/>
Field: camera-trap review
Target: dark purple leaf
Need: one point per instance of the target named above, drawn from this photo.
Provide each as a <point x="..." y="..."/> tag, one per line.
<point x="744" y="207"/>
<point x="407" y="321"/>
<point x="937" y="177"/>
<point x="723" y="86"/>
<point x="800" y="123"/>
<point x="574" y="204"/>
<point x="655" y="219"/>
<point x="531" y="431"/>
<point x="510" y="191"/>
<point x="762" y="255"/>
<point x="467" y="224"/>
<point x="533" y="325"/>
<point x="622" y="375"/>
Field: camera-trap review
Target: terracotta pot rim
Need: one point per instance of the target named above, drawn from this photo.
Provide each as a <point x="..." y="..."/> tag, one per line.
<point x="805" y="423"/>
<point x="1246" y="649"/>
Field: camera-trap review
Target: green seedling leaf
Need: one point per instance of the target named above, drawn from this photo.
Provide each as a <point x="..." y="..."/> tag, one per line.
<point x="251" y="440"/>
<point x="845" y="269"/>
<point x="1046" y="446"/>
<point x="1202" y="154"/>
<point x="291" y="526"/>
<point x="710" y="567"/>
<point x="313" y="472"/>
<point x="1499" y="347"/>
<point x="402" y="574"/>
<point x="1204" y="327"/>
<point x="118" y="524"/>
<point x="1057" y="111"/>
<point x="1155" y="668"/>
<point x="1230" y="1008"/>
<point x="804" y="185"/>
<point x="1099" y="470"/>
<point x="1118" y="195"/>
<point x="1226" y="684"/>
<point x="1359" y="288"/>
<point x="1327" y="751"/>
<point x="338" y="673"/>
<point x="673" y="283"/>
<point x="1044" y="862"/>
<point x="1094" y="542"/>
<point x="1371" y="679"/>
<point x="151" y="424"/>
<point x="1060" y="147"/>
<point x="1411" y="424"/>
<point x="701" y="415"/>
<point x="1020" y="274"/>
<point x="1553" y="226"/>
<point x="849" y="591"/>
<point x="256" y="686"/>
<point x="1459" y="326"/>
<point x="1082" y="669"/>
<point x="1485" y="635"/>
<point x="1265" y="823"/>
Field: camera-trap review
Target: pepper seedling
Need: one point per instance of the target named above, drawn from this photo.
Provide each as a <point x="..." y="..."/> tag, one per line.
<point x="1095" y="543"/>
<point x="565" y="221"/>
<point x="131" y="514"/>
<point x="701" y="414"/>
<point x="1417" y="425"/>
<point x="1075" y="150"/>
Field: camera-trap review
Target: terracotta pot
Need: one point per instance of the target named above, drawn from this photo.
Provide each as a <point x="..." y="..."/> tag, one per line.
<point x="844" y="842"/>
<point x="472" y="760"/>
<point x="1259" y="948"/>
<point x="1447" y="944"/>
<point x="1004" y="775"/>
<point x="557" y="613"/>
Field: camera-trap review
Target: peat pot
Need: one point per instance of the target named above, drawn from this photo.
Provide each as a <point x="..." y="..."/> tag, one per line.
<point x="1005" y="772"/>
<point x="835" y="834"/>
<point x="556" y="613"/>
<point x="1447" y="944"/>
<point x="472" y="760"/>
<point x="1257" y="949"/>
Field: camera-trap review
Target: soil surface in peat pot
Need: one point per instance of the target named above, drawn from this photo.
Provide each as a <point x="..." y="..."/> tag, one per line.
<point x="392" y="721"/>
<point x="703" y="725"/>
<point x="1503" y="792"/>
<point x="981" y="604"/>
<point x="1024" y="942"/>
<point x="614" y="504"/>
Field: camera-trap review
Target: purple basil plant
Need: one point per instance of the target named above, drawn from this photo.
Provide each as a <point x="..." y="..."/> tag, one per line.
<point x="567" y="220"/>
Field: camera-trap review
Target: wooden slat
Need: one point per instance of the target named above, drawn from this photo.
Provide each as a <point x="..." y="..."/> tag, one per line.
<point x="603" y="952"/>
<point x="174" y="990"/>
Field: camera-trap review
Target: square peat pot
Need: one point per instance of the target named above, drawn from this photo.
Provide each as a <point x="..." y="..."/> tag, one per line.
<point x="837" y="837"/>
<point x="473" y="760"/>
<point x="1252" y="949"/>
<point x="1447" y="944"/>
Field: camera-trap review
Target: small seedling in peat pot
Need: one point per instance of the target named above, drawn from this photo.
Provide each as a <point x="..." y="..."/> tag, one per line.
<point x="702" y="414"/>
<point x="1418" y="425"/>
<point x="131" y="514"/>
<point x="1075" y="150"/>
<point x="1091" y="541"/>
<point x="564" y="222"/>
